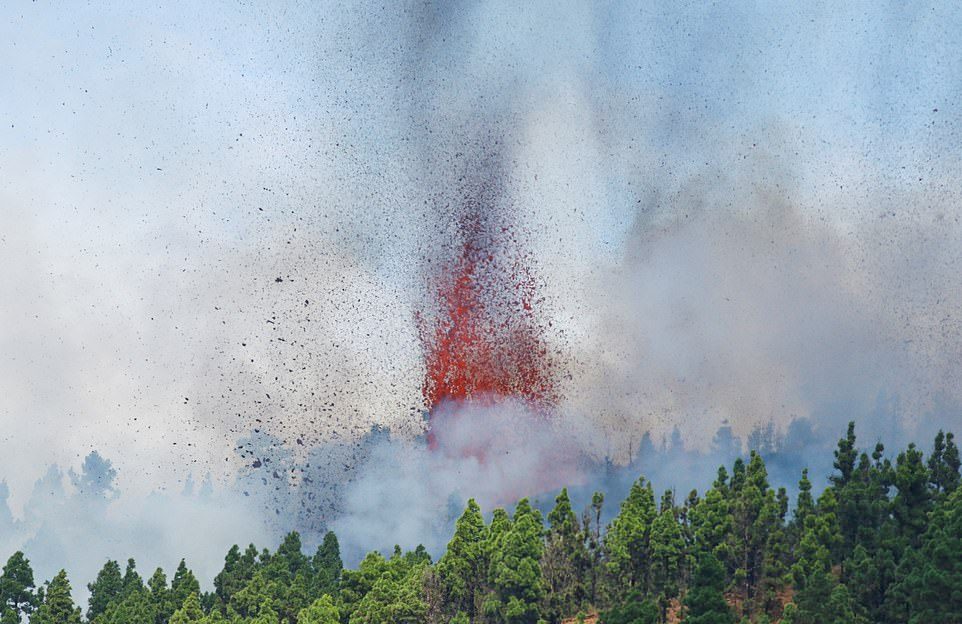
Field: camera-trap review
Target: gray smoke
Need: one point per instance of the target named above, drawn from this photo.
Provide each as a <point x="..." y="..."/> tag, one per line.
<point x="218" y="223"/>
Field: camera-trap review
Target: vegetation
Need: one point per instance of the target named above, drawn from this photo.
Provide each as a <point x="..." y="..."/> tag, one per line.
<point x="882" y="543"/>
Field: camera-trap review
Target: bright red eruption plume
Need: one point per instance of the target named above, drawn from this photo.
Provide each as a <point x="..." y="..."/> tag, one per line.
<point x="483" y="342"/>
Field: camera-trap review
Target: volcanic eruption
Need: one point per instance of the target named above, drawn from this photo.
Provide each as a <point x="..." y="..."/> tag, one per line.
<point x="483" y="341"/>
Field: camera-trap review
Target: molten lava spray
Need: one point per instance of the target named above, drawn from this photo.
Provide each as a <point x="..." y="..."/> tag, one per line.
<point x="484" y="344"/>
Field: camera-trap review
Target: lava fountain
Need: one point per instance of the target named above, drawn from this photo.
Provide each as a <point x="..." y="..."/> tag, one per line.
<point x="483" y="343"/>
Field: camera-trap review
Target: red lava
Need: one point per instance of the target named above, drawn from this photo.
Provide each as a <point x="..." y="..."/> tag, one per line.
<point x="484" y="342"/>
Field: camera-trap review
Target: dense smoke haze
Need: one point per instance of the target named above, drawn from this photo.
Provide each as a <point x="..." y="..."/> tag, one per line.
<point x="223" y="229"/>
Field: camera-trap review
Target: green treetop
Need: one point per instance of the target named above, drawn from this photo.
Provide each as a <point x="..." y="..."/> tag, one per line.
<point x="515" y="570"/>
<point x="189" y="611"/>
<point x="107" y="588"/>
<point x="58" y="606"/>
<point x="944" y="464"/>
<point x="17" y="595"/>
<point x="564" y="562"/>
<point x="705" y="601"/>
<point x="628" y="540"/>
<point x="461" y="570"/>
<point x="321" y="611"/>
<point x="327" y="565"/>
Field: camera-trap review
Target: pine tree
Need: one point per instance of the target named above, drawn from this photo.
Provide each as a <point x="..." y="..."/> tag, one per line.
<point x="930" y="584"/>
<point x="224" y="582"/>
<point x="755" y="520"/>
<point x="628" y="541"/>
<point x="327" y="565"/>
<point x="261" y="594"/>
<point x="952" y="464"/>
<point x="492" y="547"/>
<point x="321" y="611"/>
<point x="189" y="611"/>
<point x="868" y="546"/>
<point x="819" y="597"/>
<point x="944" y="464"/>
<point x="58" y="606"/>
<point x="778" y="557"/>
<point x="284" y="580"/>
<point x="134" y="608"/>
<point x="848" y="493"/>
<point x="869" y="575"/>
<point x="132" y="581"/>
<point x="634" y="609"/>
<point x="912" y="503"/>
<point x="515" y="568"/>
<point x="462" y="568"/>
<point x="705" y="601"/>
<point x="395" y="596"/>
<point x="563" y="562"/>
<point x="594" y="547"/>
<point x="825" y="601"/>
<point x="237" y="572"/>
<point x="863" y="505"/>
<point x="841" y="609"/>
<point x="284" y="565"/>
<point x="295" y="597"/>
<point x="845" y="456"/>
<point x="355" y="584"/>
<point x="17" y="595"/>
<point x="805" y="504"/>
<point x="265" y="614"/>
<point x="711" y="520"/>
<point x="668" y="554"/>
<point x="108" y="587"/>
<point x="183" y="584"/>
<point x="160" y="597"/>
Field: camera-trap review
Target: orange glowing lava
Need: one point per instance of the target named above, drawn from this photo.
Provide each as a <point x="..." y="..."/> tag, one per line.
<point x="484" y="342"/>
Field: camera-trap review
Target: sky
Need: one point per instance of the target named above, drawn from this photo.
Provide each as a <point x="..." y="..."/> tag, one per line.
<point x="216" y="218"/>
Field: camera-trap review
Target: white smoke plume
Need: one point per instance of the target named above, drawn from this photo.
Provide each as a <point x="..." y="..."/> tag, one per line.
<point x="495" y="453"/>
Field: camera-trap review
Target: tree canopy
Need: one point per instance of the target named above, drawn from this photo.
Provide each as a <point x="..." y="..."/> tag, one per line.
<point x="880" y="542"/>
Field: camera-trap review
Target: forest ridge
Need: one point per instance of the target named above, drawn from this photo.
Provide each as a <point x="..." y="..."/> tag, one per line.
<point x="882" y="544"/>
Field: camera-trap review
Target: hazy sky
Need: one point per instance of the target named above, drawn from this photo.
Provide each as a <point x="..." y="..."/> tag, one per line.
<point x="183" y="185"/>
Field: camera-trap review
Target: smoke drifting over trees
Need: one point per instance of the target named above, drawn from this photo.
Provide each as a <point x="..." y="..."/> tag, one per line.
<point x="878" y="544"/>
<point x="214" y="260"/>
